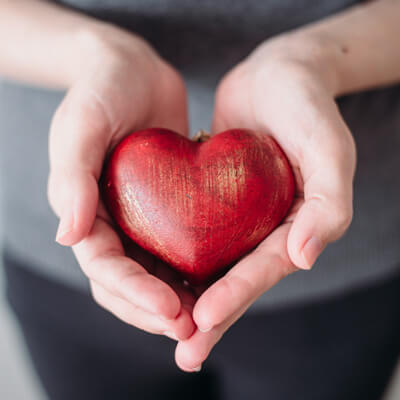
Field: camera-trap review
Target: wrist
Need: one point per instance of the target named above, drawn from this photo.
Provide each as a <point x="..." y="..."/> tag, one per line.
<point x="315" y="55"/>
<point x="100" y="45"/>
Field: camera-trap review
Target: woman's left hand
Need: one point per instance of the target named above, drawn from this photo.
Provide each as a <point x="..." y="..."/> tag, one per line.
<point x="291" y="98"/>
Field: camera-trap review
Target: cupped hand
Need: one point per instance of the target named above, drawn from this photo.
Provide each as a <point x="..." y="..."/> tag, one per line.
<point x="123" y="86"/>
<point x="293" y="100"/>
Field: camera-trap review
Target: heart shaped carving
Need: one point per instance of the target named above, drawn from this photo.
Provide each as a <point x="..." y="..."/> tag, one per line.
<point x="198" y="206"/>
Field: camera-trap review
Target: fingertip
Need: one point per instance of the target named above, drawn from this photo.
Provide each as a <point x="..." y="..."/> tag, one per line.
<point x="202" y="317"/>
<point x="183" y="326"/>
<point x="216" y="305"/>
<point x="205" y="330"/>
<point x="297" y="257"/>
<point x="187" y="326"/>
<point x="66" y="239"/>
<point x="76" y="202"/>
<point x="69" y="235"/>
<point x="308" y="234"/>
<point x="85" y="205"/>
<point x="311" y="250"/>
<point x="299" y="234"/>
<point x="135" y="284"/>
<point x="190" y="354"/>
<point x="167" y="304"/>
<point x="188" y="357"/>
<point x="171" y="335"/>
<point x="65" y="232"/>
<point x="196" y="369"/>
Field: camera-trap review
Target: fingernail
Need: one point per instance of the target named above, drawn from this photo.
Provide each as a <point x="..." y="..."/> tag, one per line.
<point x="202" y="330"/>
<point x="171" y="335"/>
<point x="311" y="251"/>
<point x="197" y="369"/>
<point x="165" y="319"/>
<point x="64" y="228"/>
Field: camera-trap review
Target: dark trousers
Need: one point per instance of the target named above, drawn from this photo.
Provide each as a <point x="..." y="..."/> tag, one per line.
<point x="344" y="348"/>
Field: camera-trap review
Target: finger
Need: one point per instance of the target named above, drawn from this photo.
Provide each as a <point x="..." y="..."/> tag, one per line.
<point x="191" y="353"/>
<point x="127" y="312"/>
<point x="102" y="259"/>
<point x="185" y="293"/>
<point x="245" y="282"/>
<point x="78" y="141"/>
<point x="327" y="168"/>
<point x="74" y="195"/>
<point x="180" y="328"/>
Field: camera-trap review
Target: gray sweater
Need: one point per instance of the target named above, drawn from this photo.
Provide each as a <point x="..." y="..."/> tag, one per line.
<point x="204" y="39"/>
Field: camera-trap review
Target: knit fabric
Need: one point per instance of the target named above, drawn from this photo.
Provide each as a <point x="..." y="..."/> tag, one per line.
<point x="203" y="40"/>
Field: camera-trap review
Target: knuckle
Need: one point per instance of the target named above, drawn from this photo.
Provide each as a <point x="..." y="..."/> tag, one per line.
<point x="343" y="216"/>
<point x="288" y="269"/>
<point x="238" y="288"/>
<point x="96" y="294"/>
<point x="127" y="279"/>
<point x="87" y="268"/>
<point x="286" y="266"/>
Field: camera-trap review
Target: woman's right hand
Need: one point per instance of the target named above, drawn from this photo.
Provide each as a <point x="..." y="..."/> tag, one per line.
<point x="123" y="86"/>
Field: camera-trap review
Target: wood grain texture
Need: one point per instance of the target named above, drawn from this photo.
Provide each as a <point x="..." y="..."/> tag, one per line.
<point x="198" y="206"/>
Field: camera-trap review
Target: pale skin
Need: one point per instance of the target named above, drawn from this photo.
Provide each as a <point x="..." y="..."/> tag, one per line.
<point x="117" y="83"/>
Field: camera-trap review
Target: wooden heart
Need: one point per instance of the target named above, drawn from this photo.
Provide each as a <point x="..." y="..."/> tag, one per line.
<point x="199" y="206"/>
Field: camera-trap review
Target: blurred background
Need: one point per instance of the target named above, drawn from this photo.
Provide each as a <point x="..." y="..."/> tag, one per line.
<point x="17" y="378"/>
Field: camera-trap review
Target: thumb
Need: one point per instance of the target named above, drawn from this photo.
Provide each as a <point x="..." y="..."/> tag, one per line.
<point x="78" y="142"/>
<point x="328" y="193"/>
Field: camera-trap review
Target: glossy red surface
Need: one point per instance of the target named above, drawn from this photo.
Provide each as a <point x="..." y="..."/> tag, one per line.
<point x="198" y="206"/>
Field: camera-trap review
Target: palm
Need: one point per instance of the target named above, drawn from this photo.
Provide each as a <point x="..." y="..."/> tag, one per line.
<point x="243" y="101"/>
<point x="158" y="268"/>
<point x="239" y="104"/>
<point x="136" y="106"/>
<point x="134" y="100"/>
<point x="124" y="95"/>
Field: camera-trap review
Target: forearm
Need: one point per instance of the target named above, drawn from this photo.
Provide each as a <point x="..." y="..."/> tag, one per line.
<point x="45" y="44"/>
<point x="355" y="50"/>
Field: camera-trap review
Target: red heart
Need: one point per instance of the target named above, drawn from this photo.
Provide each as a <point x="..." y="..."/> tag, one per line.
<point x="198" y="206"/>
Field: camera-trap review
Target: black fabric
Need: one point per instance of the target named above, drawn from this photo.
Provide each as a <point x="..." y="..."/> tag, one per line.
<point x="345" y="348"/>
